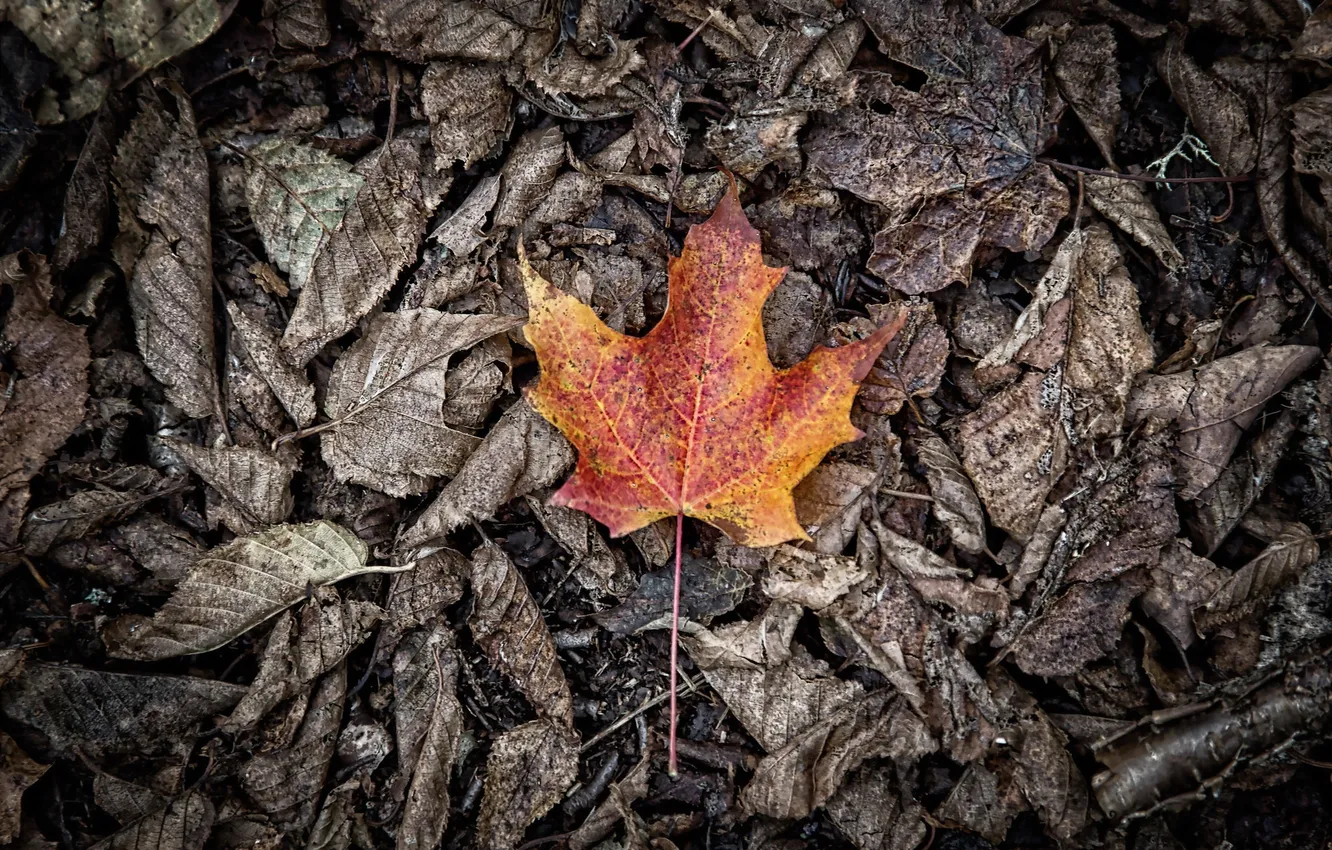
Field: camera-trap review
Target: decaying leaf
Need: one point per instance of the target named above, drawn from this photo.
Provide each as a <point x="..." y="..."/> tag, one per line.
<point x="528" y="174"/>
<point x="1289" y="550"/>
<point x="422" y="30"/>
<point x="707" y="589"/>
<point x="1213" y="107"/>
<point x="955" y="502"/>
<point x="298" y="195"/>
<point x="975" y="803"/>
<point x="99" y="713"/>
<point x="594" y="563"/>
<point x="236" y="587"/>
<point x="1181" y="582"/>
<point x="357" y="265"/>
<point x="597" y="384"/>
<point x="163" y="176"/>
<point x="829" y="501"/>
<point x="418" y="595"/>
<point x="386" y="397"/>
<point x="1219" y="508"/>
<point x="429" y="725"/>
<point x="254" y="482"/>
<point x="508" y="624"/>
<point x="806" y="578"/>
<point x="1125" y="204"/>
<point x="114" y="499"/>
<point x="181" y="824"/>
<point x="875" y="811"/>
<point x="469" y="108"/>
<point x="529" y="769"/>
<point x="17" y="772"/>
<point x="1086" y="68"/>
<point x="912" y="363"/>
<point x="261" y="346"/>
<point x="1081" y="626"/>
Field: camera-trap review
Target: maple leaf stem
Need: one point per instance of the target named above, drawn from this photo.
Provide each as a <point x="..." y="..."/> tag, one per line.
<point x="675" y="644"/>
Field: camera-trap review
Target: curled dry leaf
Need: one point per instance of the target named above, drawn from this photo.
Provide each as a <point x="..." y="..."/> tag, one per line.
<point x="937" y="580"/>
<point x="829" y="501"/>
<point x="17" y="772"/>
<point x="386" y="396"/>
<point x="1126" y="205"/>
<point x="528" y="174"/>
<point x="528" y="770"/>
<point x="429" y="722"/>
<point x="570" y="73"/>
<point x="508" y="624"/>
<point x="46" y="397"/>
<point x="287" y="784"/>
<point x="1087" y="71"/>
<point x="298" y="195"/>
<point x="469" y="107"/>
<point x="955" y="502"/>
<point x="236" y="587"/>
<point x="98" y="713"/>
<point x="182" y="824"/>
<point x="163" y="176"/>
<point x="1081" y="626"/>
<point x="522" y="453"/>
<point x="262" y="351"/>
<point x="254" y="482"/>
<point x="422" y="30"/>
<point x="359" y="262"/>
<point x="810" y="579"/>
<point x="1288" y="552"/>
<point x="461" y="232"/>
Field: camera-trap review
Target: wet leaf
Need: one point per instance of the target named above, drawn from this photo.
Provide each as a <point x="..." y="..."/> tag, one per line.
<point x="236" y="587"/>
<point x="1288" y="552"/>
<point x="17" y="772"/>
<point x="256" y="483"/>
<point x="465" y="133"/>
<point x="1081" y="626"/>
<point x="507" y="623"/>
<point x="86" y="511"/>
<point x="707" y="590"/>
<point x="356" y="266"/>
<point x="429" y="729"/>
<point x="601" y="388"/>
<point x="955" y="502"/>
<point x="100" y="713"/>
<point x="529" y="769"/>
<point x="163" y="177"/>
<point x="298" y="196"/>
<point x="260" y="345"/>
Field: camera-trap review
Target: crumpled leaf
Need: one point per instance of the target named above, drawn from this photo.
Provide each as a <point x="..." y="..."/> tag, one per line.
<point x="1086" y="68"/>
<point x="522" y="453"/>
<point x="1181" y="582"/>
<point x="1219" y="508"/>
<point x="470" y="110"/>
<point x="114" y="499"/>
<point x="529" y="769"/>
<point x="163" y="176"/>
<point x="528" y="174"/>
<point x="938" y="580"/>
<point x="1126" y="205"/>
<point x="386" y="396"/>
<point x="17" y="772"/>
<point x="236" y="587"/>
<point x="569" y="72"/>
<point x="182" y="824"/>
<point x="418" y="595"/>
<point x="507" y="623"/>
<point x="707" y="590"/>
<point x="829" y="501"/>
<point x="256" y="483"/>
<point x="759" y="132"/>
<point x="1212" y="106"/>
<point x="286" y="785"/>
<point x="357" y="265"/>
<point x="261" y="347"/>
<point x="48" y="392"/>
<point x="985" y="104"/>
<point x="600" y="387"/>
<point x="298" y="195"/>
<point x="299" y="23"/>
<point x="1081" y="626"/>
<point x="955" y="502"/>
<point x="912" y="363"/>
<point x="875" y="811"/>
<point x="461" y="233"/>
<point x="337" y="818"/>
<point x="99" y="713"/>
<point x="429" y="731"/>
<point x="1290" y="548"/>
<point x="301" y="648"/>
<point x="101" y="47"/>
<point x="810" y="579"/>
<point x="595" y="565"/>
<point x="422" y="30"/>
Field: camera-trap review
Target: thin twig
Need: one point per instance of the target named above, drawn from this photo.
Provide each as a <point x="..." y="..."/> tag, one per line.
<point x="648" y="705"/>
<point x="679" y="48"/>
<point x="903" y="494"/>
<point x="1142" y="178"/>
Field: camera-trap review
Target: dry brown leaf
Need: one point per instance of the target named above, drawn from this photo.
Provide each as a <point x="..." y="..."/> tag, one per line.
<point x="874" y="809"/>
<point x="97" y="713"/>
<point x="1212" y="106"/>
<point x="236" y="587"/>
<point x="955" y="502"/>
<point x="472" y="386"/>
<point x="507" y="623"/>
<point x="125" y="801"/>
<point x="386" y="396"/>
<point x="804" y="773"/>
<point x="1051" y="289"/>
<point x="470" y="110"/>
<point x="1087" y="71"/>
<point x="1014" y="449"/>
<point x="256" y="483"/>
<point x="522" y="453"/>
<point x="595" y="565"/>
<point x="165" y="550"/>
<point x="975" y="804"/>
<point x="461" y="232"/>
<point x="1049" y="778"/>
<point x="88" y="198"/>
<point x="163" y="176"/>
<point x="569" y="72"/>
<point x="182" y="824"/>
<point x="301" y="648"/>
<point x="46" y="397"/>
<point x="1081" y="626"/>
<point x="1291" y="549"/>
<point x="421" y="594"/>
<point x="261" y="347"/>
<point x="937" y="580"/>
<point x="1270" y="18"/>
<point x="299" y="23"/>
<point x="1126" y="205"/>
<point x="423" y="30"/>
<point x="829" y="501"/>
<point x="1220" y="507"/>
<point x="298" y="195"/>
<point x="912" y="363"/>
<point x="1315" y="42"/>
<point x="528" y="174"/>
<point x="708" y="588"/>
<point x="1181" y="582"/>
<point x="17" y="772"/>
<point x="808" y="578"/>
<point x="338" y="818"/>
<point x="1128" y="519"/>
<point x="429" y="722"/>
<point x="528" y="770"/>
<point x="84" y="512"/>
<point x="286" y="785"/>
<point x="759" y="132"/>
<point x="357" y="265"/>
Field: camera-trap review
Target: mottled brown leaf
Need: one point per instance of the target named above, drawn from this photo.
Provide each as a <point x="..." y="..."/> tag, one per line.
<point x="955" y="502"/>
<point x="299" y="23"/>
<point x="829" y="500"/>
<point x="975" y="803"/>
<point x="1181" y="582"/>
<point x="262" y="351"/>
<point x="810" y="579"/>
<point x="1315" y="42"/>
<point x="1126" y="205"/>
<point x="422" y="30"/>
<point x="1086" y="68"/>
<point x="874" y="809"/>
<point x="1219" y="508"/>
<point x="469" y="107"/>
<point x="1081" y="626"/>
<point x="182" y="824"/>
<point x="528" y="770"/>
<point x="1288" y="552"/>
<point x="528" y="174"/>
<point x="255" y="482"/>
<point x="88" y="510"/>
<point x="1212" y="106"/>
<point x="429" y="729"/>
<point x="912" y="363"/>
<point x="88" y="198"/>
<point x="17" y="772"/>
<point x="418" y="595"/>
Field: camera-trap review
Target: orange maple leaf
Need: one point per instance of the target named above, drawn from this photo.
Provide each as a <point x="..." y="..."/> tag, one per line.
<point x="692" y="419"/>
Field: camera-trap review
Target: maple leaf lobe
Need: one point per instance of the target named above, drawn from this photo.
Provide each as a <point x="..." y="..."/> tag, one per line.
<point x="692" y="417"/>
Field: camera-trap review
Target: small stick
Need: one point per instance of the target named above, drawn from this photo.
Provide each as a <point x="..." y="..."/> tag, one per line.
<point x="648" y="705"/>
<point x="1141" y="178"/>
<point x="679" y="48"/>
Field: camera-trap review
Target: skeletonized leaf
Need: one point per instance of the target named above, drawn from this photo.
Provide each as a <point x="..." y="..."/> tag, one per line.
<point x="236" y="587"/>
<point x="429" y="727"/>
<point x="256" y="482"/>
<point x="358" y="264"/>
<point x="262" y="350"/>
<point x="298" y="195"/>
<point x="386" y="395"/>
<point x="97" y="713"/>
<point x="469" y="107"/>
<point x="508" y="624"/>
<point x="529" y="769"/>
<point x="522" y="453"/>
<point x="286" y="784"/>
<point x="163" y="174"/>
<point x="183" y="824"/>
<point x="955" y="502"/>
<point x="1291" y="550"/>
